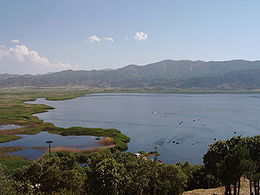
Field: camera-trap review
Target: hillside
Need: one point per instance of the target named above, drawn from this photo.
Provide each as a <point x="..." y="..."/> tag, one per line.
<point x="183" y="74"/>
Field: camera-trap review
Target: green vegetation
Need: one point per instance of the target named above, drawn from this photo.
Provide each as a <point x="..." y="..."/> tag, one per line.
<point x="10" y="149"/>
<point x="105" y="173"/>
<point x="12" y="163"/>
<point x="114" y="172"/>
<point x="230" y="160"/>
<point x="120" y="139"/>
<point x="8" y="138"/>
<point x="110" y="171"/>
<point x="13" y="110"/>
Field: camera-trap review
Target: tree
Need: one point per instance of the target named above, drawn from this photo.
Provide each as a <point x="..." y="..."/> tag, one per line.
<point x="51" y="174"/>
<point x="229" y="160"/>
<point x="106" y="177"/>
<point x="171" y="179"/>
<point x="6" y="183"/>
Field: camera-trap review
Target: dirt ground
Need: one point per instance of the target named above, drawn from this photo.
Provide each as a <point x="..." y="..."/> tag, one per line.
<point x="220" y="191"/>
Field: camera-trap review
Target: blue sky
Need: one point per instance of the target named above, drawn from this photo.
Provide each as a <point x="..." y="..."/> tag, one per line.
<point x="53" y="35"/>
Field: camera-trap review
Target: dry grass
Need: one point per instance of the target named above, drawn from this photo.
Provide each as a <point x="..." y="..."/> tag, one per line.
<point x="107" y="141"/>
<point x="13" y="131"/>
<point x="86" y="151"/>
<point x="221" y="190"/>
<point x="67" y="149"/>
<point x="10" y="149"/>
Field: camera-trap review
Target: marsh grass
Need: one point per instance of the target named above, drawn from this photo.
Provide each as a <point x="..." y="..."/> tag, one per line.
<point x="13" y="110"/>
<point x="10" y="149"/>
<point x="8" y="138"/>
<point x="12" y="163"/>
<point x="107" y="141"/>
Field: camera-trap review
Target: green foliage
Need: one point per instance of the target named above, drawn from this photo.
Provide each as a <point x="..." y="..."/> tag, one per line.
<point x="198" y="177"/>
<point x="8" y="138"/>
<point x="229" y="160"/>
<point x="51" y="174"/>
<point x="171" y="179"/>
<point x="120" y="139"/>
<point x="14" y="110"/>
<point x="124" y="173"/>
<point x="12" y="163"/>
<point x="6" y="184"/>
<point x="107" y="177"/>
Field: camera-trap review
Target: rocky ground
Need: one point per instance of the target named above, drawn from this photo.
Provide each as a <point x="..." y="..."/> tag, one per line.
<point x="220" y="191"/>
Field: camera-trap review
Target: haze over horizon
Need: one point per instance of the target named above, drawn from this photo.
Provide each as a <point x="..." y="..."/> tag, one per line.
<point x="46" y="36"/>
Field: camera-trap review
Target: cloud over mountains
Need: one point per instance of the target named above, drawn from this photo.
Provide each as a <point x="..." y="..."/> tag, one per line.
<point x="22" y="60"/>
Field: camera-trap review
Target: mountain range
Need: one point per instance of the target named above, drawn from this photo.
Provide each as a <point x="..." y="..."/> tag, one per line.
<point x="181" y="74"/>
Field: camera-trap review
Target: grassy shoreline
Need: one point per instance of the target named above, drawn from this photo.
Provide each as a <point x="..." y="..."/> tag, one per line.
<point x="14" y="110"/>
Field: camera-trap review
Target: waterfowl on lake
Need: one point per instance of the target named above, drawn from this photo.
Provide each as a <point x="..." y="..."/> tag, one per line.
<point x="193" y="143"/>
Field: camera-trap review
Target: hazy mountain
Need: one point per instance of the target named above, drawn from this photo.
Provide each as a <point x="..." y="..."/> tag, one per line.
<point x="235" y="74"/>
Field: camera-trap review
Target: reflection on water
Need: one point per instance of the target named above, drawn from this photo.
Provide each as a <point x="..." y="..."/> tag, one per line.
<point x="182" y="126"/>
<point x="35" y="145"/>
<point x="9" y="126"/>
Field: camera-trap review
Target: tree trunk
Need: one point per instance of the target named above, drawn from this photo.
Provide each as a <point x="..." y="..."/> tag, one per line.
<point x="235" y="188"/>
<point x="229" y="189"/>
<point x="257" y="187"/>
<point x="226" y="190"/>
<point x="250" y="187"/>
<point x="238" y="187"/>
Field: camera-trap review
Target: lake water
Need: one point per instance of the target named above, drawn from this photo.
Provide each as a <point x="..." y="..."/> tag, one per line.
<point x="35" y="145"/>
<point x="9" y="126"/>
<point x="193" y="120"/>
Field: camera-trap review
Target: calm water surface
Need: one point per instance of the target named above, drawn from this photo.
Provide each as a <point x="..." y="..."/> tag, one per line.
<point x="9" y="126"/>
<point x="35" y="145"/>
<point x="160" y="119"/>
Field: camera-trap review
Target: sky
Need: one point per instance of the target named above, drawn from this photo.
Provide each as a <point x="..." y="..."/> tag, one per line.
<point x="43" y="36"/>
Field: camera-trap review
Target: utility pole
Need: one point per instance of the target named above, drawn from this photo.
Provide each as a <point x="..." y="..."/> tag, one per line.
<point x="49" y="142"/>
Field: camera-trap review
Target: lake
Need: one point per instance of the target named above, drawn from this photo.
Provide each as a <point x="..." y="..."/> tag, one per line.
<point x="35" y="145"/>
<point x="9" y="127"/>
<point x="181" y="126"/>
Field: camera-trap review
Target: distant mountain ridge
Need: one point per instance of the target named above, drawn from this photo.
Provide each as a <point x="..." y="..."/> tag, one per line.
<point x="183" y="74"/>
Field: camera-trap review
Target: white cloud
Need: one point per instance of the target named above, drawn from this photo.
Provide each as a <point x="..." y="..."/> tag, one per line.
<point x="109" y="39"/>
<point x="21" y="60"/>
<point x="93" y="39"/>
<point x="2" y="46"/>
<point x="140" y="36"/>
<point x="15" y="41"/>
